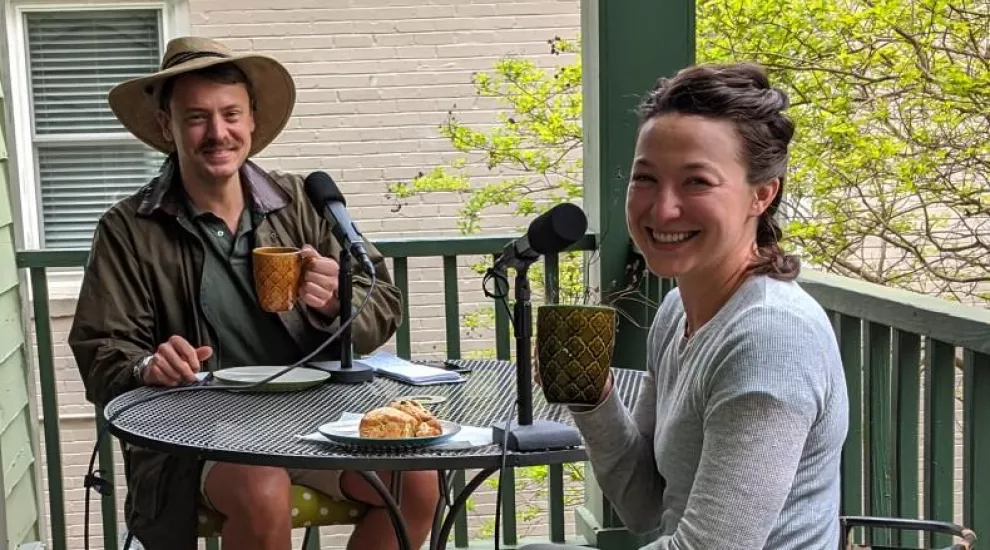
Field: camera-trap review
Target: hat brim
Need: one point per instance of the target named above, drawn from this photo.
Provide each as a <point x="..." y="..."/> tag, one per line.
<point x="135" y="102"/>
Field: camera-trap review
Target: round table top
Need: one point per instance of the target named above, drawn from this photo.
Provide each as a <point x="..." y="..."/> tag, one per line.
<point x="263" y="428"/>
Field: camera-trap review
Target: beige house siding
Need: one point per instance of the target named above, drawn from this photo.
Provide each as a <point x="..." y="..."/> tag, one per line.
<point x="18" y="510"/>
<point x="375" y="81"/>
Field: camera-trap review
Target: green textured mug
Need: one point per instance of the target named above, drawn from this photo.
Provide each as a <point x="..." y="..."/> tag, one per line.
<point x="574" y="352"/>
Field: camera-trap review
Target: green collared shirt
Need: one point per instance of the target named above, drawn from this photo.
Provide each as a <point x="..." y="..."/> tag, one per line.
<point x="246" y="334"/>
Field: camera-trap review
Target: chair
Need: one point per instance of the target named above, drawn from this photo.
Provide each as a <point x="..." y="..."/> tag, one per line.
<point x="310" y="510"/>
<point x="849" y="523"/>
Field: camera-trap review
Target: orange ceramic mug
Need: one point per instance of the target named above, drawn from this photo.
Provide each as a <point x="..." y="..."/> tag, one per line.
<point x="276" y="277"/>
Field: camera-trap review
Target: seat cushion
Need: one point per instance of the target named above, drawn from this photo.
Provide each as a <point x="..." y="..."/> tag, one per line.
<point x="309" y="508"/>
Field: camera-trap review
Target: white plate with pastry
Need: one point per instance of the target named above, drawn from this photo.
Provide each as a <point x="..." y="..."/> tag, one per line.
<point x="400" y="424"/>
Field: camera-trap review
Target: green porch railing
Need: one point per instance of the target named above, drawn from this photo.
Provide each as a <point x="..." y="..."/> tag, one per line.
<point x="38" y="262"/>
<point x="901" y="350"/>
<point x="902" y="353"/>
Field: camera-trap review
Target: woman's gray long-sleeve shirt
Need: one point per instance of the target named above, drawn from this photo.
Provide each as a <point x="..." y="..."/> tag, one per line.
<point x="735" y="439"/>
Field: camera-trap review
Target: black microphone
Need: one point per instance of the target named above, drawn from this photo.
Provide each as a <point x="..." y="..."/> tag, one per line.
<point x="551" y="232"/>
<point x="329" y="202"/>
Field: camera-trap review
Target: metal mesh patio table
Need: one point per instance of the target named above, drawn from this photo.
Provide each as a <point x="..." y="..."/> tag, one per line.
<point x="262" y="428"/>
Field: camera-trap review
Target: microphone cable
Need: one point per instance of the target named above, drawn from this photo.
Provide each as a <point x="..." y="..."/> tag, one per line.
<point x="93" y="479"/>
<point x="500" y="295"/>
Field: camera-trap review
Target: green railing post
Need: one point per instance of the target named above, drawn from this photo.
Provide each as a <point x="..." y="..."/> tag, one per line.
<point x="403" y="345"/>
<point x="108" y="503"/>
<point x="850" y="338"/>
<point x="555" y="504"/>
<point x="907" y="395"/>
<point x="508" y="483"/>
<point x="976" y="442"/>
<point x="49" y="406"/>
<point x="555" y="496"/>
<point x="460" y="522"/>
<point x="939" y="434"/>
<point x="452" y="316"/>
<point x="551" y="278"/>
<point x="880" y="489"/>
<point x="451" y="306"/>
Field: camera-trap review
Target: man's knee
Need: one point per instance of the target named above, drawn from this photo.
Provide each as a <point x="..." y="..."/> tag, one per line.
<point x="261" y="492"/>
<point x="420" y="491"/>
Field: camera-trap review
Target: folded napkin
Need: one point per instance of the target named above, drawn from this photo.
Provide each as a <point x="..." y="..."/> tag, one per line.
<point x="468" y="438"/>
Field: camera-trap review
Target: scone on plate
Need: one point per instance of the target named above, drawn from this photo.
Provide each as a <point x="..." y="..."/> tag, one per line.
<point x="388" y="423"/>
<point x="428" y="424"/>
<point x="400" y="419"/>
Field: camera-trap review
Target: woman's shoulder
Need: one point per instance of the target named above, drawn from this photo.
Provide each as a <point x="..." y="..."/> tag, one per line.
<point x="777" y="326"/>
<point x="766" y="303"/>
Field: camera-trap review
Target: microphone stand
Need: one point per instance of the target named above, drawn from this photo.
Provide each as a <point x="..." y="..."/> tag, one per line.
<point x="346" y="370"/>
<point x="526" y="434"/>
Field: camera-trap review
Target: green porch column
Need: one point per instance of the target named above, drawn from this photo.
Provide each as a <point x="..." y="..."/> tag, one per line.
<point x="627" y="45"/>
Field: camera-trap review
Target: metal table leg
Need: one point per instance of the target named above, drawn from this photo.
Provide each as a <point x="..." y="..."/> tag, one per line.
<point x="396" y="485"/>
<point x="439" y="542"/>
<point x="393" y="508"/>
<point x="442" y="504"/>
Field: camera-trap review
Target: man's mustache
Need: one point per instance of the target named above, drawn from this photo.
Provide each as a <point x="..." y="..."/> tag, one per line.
<point x="211" y="145"/>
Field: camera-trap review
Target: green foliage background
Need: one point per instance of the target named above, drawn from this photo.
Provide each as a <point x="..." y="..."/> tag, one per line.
<point x="891" y="163"/>
<point x="890" y="168"/>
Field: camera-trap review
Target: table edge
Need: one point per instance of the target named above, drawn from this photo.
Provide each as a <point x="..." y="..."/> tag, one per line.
<point x="362" y="463"/>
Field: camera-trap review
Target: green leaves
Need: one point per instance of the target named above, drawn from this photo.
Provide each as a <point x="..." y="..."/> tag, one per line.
<point x="532" y="155"/>
<point x="531" y="158"/>
<point x="889" y="168"/>
<point x="438" y="179"/>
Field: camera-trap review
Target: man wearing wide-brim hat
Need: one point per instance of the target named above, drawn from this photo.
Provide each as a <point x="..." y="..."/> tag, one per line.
<point x="168" y="292"/>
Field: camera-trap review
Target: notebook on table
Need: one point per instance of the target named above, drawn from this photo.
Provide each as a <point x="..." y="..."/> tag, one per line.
<point x="395" y="367"/>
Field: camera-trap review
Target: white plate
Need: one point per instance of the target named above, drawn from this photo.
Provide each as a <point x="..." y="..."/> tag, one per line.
<point x="299" y="378"/>
<point x="347" y="433"/>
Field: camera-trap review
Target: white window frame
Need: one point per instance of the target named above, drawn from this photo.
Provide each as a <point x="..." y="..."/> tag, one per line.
<point x="175" y="22"/>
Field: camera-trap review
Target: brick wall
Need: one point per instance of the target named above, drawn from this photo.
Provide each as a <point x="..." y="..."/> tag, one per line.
<point x="375" y="80"/>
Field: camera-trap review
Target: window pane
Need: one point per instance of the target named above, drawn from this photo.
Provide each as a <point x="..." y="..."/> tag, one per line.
<point x="75" y="57"/>
<point x="80" y="182"/>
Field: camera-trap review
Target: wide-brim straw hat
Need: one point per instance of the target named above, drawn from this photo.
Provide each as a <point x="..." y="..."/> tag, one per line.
<point x="135" y="101"/>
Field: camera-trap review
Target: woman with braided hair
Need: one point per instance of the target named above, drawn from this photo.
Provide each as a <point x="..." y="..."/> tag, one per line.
<point x="735" y="439"/>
